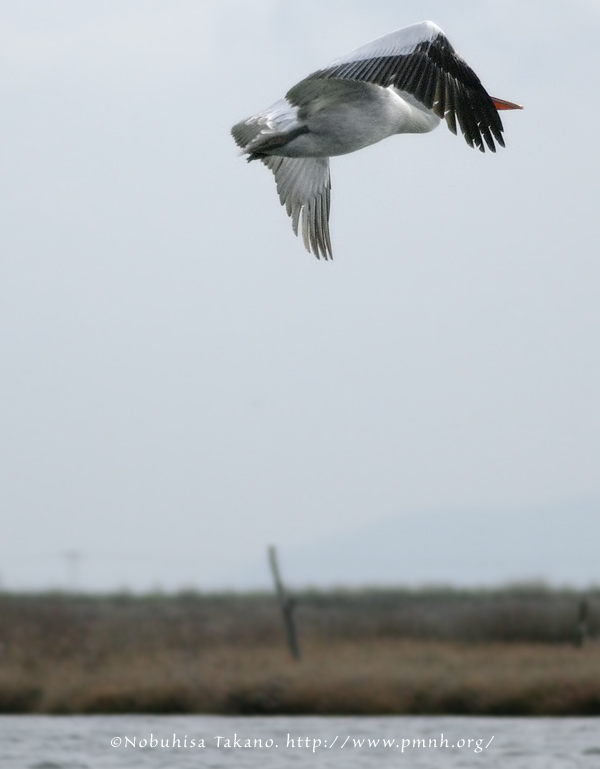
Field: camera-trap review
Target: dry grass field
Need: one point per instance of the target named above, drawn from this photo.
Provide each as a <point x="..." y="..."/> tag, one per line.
<point x="509" y="652"/>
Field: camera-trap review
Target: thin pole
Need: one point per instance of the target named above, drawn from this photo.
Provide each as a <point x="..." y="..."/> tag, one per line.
<point x="582" y="623"/>
<point x="287" y="606"/>
<point x="72" y="558"/>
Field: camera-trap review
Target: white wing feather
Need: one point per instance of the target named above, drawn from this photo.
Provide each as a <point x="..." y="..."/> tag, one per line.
<point x="304" y="189"/>
<point x="399" y="43"/>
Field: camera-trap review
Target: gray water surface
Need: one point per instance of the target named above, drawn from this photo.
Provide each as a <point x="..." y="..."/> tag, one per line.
<point x="172" y="742"/>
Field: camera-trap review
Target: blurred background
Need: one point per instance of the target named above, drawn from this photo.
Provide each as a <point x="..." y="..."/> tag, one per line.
<point x="182" y="384"/>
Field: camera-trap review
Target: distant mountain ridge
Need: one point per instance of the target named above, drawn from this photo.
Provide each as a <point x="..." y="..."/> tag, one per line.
<point x="558" y="544"/>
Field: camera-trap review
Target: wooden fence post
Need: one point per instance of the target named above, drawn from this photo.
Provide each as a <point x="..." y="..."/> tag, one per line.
<point x="287" y="606"/>
<point x="582" y="622"/>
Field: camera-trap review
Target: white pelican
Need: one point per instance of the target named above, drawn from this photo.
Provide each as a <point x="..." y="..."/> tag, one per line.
<point x="404" y="82"/>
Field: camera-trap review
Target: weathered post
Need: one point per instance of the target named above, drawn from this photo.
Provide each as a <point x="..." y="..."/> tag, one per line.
<point x="582" y="622"/>
<point x="287" y="606"/>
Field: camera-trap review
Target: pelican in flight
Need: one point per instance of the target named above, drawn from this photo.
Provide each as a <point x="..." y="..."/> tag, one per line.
<point x="404" y="82"/>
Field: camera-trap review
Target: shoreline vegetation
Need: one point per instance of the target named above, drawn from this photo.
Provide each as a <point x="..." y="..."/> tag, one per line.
<point x="512" y="651"/>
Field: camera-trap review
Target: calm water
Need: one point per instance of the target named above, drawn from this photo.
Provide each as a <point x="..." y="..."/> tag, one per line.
<point x="38" y="742"/>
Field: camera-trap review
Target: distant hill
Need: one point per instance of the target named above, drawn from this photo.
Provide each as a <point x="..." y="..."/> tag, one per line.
<point x="558" y="544"/>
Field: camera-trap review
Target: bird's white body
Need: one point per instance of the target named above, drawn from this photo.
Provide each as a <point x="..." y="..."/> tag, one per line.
<point x="342" y="125"/>
<point x="405" y="82"/>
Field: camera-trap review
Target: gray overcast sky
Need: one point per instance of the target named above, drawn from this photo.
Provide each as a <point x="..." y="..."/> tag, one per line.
<point x="183" y="384"/>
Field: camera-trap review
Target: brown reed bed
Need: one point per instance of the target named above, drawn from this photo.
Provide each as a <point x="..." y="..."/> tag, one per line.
<point x="227" y="654"/>
<point x="377" y="677"/>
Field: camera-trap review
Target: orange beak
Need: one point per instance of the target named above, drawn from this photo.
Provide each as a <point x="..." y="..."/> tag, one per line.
<point x="501" y="104"/>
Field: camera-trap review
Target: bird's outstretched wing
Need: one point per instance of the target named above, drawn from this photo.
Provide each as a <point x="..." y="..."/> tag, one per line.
<point x="420" y="61"/>
<point x="304" y="187"/>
